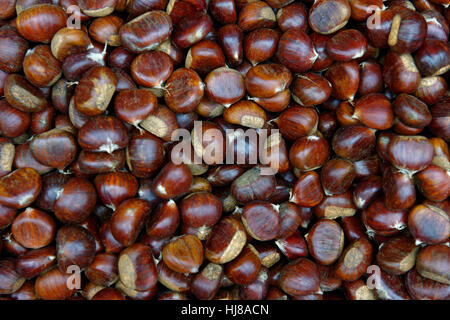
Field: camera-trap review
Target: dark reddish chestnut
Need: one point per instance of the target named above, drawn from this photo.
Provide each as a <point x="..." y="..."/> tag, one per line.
<point x="75" y="201"/>
<point x="225" y="86"/>
<point x="75" y="246"/>
<point x="261" y="220"/>
<point x="20" y="188"/>
<point x="146" y="32"/>
<point x="328" y="16"/>
<point x="103" y="270"/>
<point x="397" y="255"/>
<point x="344" y="78"/>
<point x="103" y="133"/>
<point x="296" y="122"/>
<point x="293" y="246"/>
<point x="33" y="228"/>
<point x="228" y="238"/>
<point x="429" y="224"/>
<point x="191" y="29"/>
<point x="183" y="254"/>
<point x="115" y="187"/>
<point x="40" y="23"/>
<point x="129" y="219"/>
<point x="354" y="260"/>
<point x="184" y="90"/>
<point x="325" y="241"/>
<point x="256" y="14"/>
<point x="137" y="270"/>
<point x="432" y="263"/>
<point x="300" y="277"/>
<point x="55" y="148"/>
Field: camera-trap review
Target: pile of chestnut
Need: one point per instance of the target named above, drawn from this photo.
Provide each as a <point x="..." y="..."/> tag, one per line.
<point x="353" y="95"/>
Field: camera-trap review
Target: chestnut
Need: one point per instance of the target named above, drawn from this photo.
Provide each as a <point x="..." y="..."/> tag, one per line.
<point x="40" y="58"/>
<point x="39" y="23"/>
<point x="296" y="50"/>
<point x="300" y="277"/>
<point x="432" y="58"/>
<point x="33" y="228"/>
<point x="115" y="187"/>
<point x="74" y="246"/>
<point x="172" y="181"/>
<point x="422" y="288"/>
<point x="397" y="255"/>
<point x="244" y="269"/>
<point x="293" y="246"/>
<point x="256" y="14"/>
<point x="266" y="80"/>
<point x="22" y="95"/>
<point x="146" y="32"/>
<point x="344" y="78"/>
<point x="76" y="200"/>
<point x="337" y="176"/>
<point x="327" y="16"/>
<point x="191" y="29"/>
<point x="225" y="86"/>
<point x="354" y="260"/>
<point x="137" y="270"/>
<point x="164" y="221"/>
<point x="46" y="148"/>
<point x="400" y="73"/>
<point x="307" y="191"/>
<point x="297" y="121"/>
<point x="183" y="254"/>
<point x="128" y="220"/>
<point x="103" y="270"/>
<point x="252" y="185"/>
<point x="10" y="279"/>
<point x="52" y="285"/>
<point x="206" y="283"/>
<point x="103" y="133"/>
<point x="184" y="90"/>
<point x="227" y="239"/>
<point x="310" y="89"/>
<point x="176" y="281"/>
<point x="429" y="224"/>
<point x="291" y="16"/>
<point x="432" y="263"/>
<point x="95" y="90"/>
<point x="231" y="40"/>
<point x="325" y="241"/>
<point x="20" y="188"/>
<point x="261" y="220"/>
<point x="354" y="142"/>
<point x="145" y="154"/>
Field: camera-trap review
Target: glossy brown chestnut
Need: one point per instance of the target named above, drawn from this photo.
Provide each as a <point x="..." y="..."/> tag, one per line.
<point x="325" y="241"/>
<point x="115" y="187"/>
<point x="40" y="23"/>
<point x="20" y="188"/>
<point x="432" y="263"/>
<point x="397" y="255"/>
<point x="137" y="270"/>
<point x="146" y="32"/>
<point x="129" y="219"/>
<point x="33" y="228"/>
<point x="300" y="277"/>
<point x="52" y="285"/>
<point x="228" y="238"/>
<point x="327" y="16"/>
<point x="74" y="246"/>
<point x="354" y="260"/>
<point x="103" y="270"/>
<point x="76" y="201"/>
<point x="184" y="254"/>
<point x="429" y="224"/>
